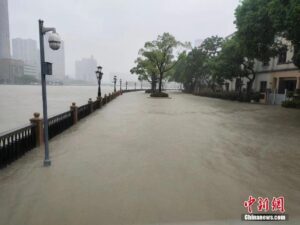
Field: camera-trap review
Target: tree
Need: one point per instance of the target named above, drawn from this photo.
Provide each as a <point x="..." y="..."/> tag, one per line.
<point x="285" y="15"/>
<point x="227" y="65"/>
<point x="195" y="68"/>
<point x="146" y="71"/>
<point x="259" y="22"/>
<point x="211" y="47"/>
<point x="160" y="53"/>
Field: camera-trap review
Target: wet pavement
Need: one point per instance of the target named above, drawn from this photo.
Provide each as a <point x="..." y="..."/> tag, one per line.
<point x="182" y="160"/>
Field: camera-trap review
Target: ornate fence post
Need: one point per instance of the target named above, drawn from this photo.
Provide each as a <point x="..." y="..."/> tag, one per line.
<point x="91" y="104"/>
<point x="38" y="122"/>
<point x="74" y="110"/>
<point x="104" y="100"/>
<point x="99" y="99"/>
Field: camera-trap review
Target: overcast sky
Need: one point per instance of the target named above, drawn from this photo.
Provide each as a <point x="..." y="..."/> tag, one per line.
<point x="114" y="30"/>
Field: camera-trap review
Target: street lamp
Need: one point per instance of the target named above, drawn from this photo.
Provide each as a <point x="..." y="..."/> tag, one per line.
<point x="115" y="83"/>
<point x="99" y="75"/>
<point x="126" y="84"/>
<point x="120" y="84"/>
<point x="135" y="86"/>
<point x="46" y="69"/>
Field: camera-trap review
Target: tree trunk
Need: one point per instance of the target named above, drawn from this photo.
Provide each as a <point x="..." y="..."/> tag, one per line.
<point x="160" y="83"/>
<point x="251" y="81"/>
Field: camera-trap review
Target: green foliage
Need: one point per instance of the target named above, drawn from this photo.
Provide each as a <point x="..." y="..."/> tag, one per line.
<point x="212" y="46"/>
<point x="159" y="95"/>
<point x="228" y="63"/>
<point x="195" y="68"/>
<point x="231" y="95"/>
<point x="295" y="103"/>
<point x="145" y="70"/>
<point x="255" y="29"/>
<point x="259" y="22"/>
<point x="160" y="55"/>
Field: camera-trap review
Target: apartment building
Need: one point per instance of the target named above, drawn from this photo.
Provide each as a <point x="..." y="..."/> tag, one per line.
<point x="274" y="79"/>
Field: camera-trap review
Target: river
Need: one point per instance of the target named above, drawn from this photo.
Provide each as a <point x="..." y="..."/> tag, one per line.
<point x="19" y="102"/>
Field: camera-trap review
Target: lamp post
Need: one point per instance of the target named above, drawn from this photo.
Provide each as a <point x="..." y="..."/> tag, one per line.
<point x="120" y="84"/>
<point x="126" y="84"/>
<point x="99" y="75"/>
<point x="141" y="84"/>
<point x="135" y="86"/>
<point x="46" y="69"/>
<point x="115" y="83"/>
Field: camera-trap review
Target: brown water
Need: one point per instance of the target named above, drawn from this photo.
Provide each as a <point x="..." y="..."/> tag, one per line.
<point x="19" y="102"/>
<point x="184" y="160"/>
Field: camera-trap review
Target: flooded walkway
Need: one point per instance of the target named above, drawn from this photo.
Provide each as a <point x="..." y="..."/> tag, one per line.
<point x="184" y="160"/>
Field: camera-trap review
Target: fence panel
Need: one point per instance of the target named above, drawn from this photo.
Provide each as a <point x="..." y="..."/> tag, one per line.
<point x="84" y="111"/>
<point x="96" y="104"/>
<point x="59" y="123"/>
<point x="16" y="143"/>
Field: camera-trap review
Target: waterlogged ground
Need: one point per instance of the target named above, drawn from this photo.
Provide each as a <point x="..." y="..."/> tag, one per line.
<point x="184" y="160"/>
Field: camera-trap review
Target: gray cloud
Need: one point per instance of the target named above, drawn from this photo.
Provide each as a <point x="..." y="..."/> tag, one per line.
<point x="114" y="30"/>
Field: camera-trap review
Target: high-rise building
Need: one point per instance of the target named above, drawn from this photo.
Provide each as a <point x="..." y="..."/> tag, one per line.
<point x="57" y="58"/>
<point x="85" y="69"/>
<point x="10" y="69"/>
<point x="27" y="51"/>
<point x="4" y="30"/>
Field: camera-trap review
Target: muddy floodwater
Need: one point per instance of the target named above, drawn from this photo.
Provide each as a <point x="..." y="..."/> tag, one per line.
<point x="19" y="102"/>
<point x="138" y="160"/>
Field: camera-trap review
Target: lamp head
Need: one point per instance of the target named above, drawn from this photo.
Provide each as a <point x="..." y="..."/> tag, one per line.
<point x="54" y="41"/>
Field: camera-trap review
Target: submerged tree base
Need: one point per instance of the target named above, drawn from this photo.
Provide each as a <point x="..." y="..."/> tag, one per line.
<point x="159" y="95"/>
<point x="149" y="91"/>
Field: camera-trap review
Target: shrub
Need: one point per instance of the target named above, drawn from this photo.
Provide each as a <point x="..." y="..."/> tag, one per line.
<point x="290" y="94"/>
<point x="159" y="95"/>
<point x="295" y="103"/>
<point x="233" y="96"/>
<point x="149" y="91"/>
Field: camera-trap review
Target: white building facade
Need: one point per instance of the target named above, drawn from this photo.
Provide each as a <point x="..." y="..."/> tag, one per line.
<point x="27" y="51"/>
<point x="274" y="79"/>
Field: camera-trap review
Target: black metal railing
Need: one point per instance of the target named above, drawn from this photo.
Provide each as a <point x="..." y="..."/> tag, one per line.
<point x="96" y="105"/>
<point x="59" y="123"/>
<point x="16" y="143"/>
<point x="84" y="111"/>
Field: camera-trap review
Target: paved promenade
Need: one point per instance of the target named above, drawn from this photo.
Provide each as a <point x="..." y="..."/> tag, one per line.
<point x="183" y="160"/>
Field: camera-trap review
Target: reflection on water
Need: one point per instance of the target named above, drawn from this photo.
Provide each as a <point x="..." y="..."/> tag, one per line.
<point x="19" y="102"/>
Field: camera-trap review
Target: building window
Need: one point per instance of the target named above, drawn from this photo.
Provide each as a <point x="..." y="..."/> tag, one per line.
<point x="263" y="86"/>
<point x="282" y="56"/>
<point x="227" y="86"/>
<point x="288" y="84"/>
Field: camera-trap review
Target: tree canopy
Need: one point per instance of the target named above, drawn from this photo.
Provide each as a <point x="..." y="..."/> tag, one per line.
<point x="158" y="57"/>
<point x="260" y="22"/>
